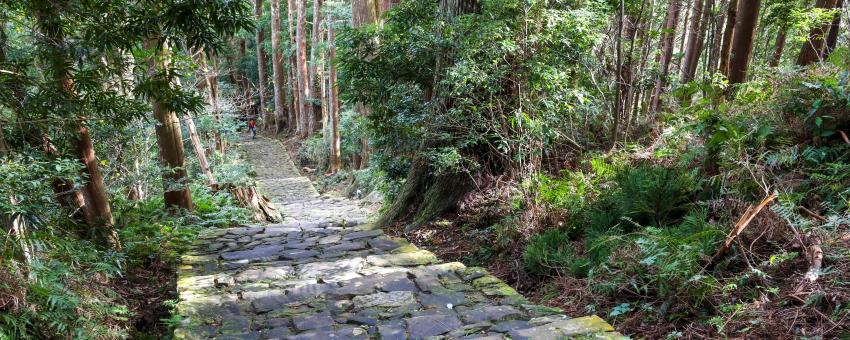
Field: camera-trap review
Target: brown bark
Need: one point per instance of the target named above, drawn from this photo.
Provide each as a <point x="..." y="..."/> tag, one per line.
<point x="199" y="149"/>
<point x="779" y="46"/>
<point x="812" y="50"/>
<point x="333" y="100"/>
<point x="626" y="31"/>
<point x="95" y="192"/>
<point x="742" y="42"/>
<point x="170" y="141"/>
<point x="684" y="38"/>
<point x="261" y="66"/>
<point x="277" y="68"/>
<point x="262" y="207"/>
<point x="739" y="227"/>
<point x="4" y="149"/>
<point x="315" y="123"/>
<point x="302" y="72"/>
<point x="696" y="38"/>
<point x="713" y="62"/>
<point x="666" y="53"/>
<point x="364" y="12"/>
<point x="728" y="33"/>
<point x="210" y="74"/>
<point x="834" y="28"/>
<point x="638" y="92"/>
<point x="294" y="80"/>
<point x="95" y="205"/>
<point x="367" y="12"/>
<point x="249" y="105"/>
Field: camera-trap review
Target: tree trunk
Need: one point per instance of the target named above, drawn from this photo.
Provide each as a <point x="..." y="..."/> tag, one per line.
<point x="314" y="66"/>
<point x="169" y="138"/>
<point x="779" y="46"/>
<point x="812" y="50"/>
<point x="249" y="105"/>
<point x="431" y="194"/>
<point x="295" y="81"/>
<point x="93" y="198"/>
<point x="333" y="101"/>
<point x="681" y="50"/>
<point x="367" y="12"/>
<point x="742" y="42"/>
<point x="363" y="12"/>
<point x="261" y="65"/>
<point x="728" y="33"/>
<point x="834" y="28"/>
<point x="639" y="91"/>
<point x="666" y="54"/>
<point x="277" y="69"/>
<point x="263" y="209"/>
<point x="303" y="73"/>
<point x="700" y="21"/>
<point x="713" y="62"/>
<point x="626" y="30"/>
<point x="4" y="148"/>
<point x="210" y="72"/>
<point x="199" y="149"/>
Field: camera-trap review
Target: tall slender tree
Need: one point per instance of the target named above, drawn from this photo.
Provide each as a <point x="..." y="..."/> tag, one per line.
<point x="169" y="136"/>
<point x="315" y="46"/>
<point x="728" y="33"/>
<point x="277" y="69"/>
<point x="834" y="28"/>
<point x="294" y="80"/>
<point x="302" y="71"/>
<point x="691" y="52"/>
<point x="813" y="49"/>
<point x="333" y="98"/>
<point x="666" y="53"/>
<point x="96" y="209"/>
<point x="742" y="42"/>
<point x="368" y="12"/>
<point x="209" y="70"/>
<point x="261" y="64"/>
<point x="779" y="45"/>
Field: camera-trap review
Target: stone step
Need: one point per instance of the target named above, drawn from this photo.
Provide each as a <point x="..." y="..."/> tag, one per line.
<point x="326" y="274"/>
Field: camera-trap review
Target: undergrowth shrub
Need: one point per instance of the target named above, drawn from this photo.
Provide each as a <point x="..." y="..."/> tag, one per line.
<point x="654" y="195"/>
<point x="629" y="225"/>
<point x="54" y="283"/>
<point x="552" y="253"/>
<point x="314" y="152"/>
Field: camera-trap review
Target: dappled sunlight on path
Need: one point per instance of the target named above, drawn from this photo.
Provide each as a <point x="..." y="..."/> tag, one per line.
<point x="325" y="274"/>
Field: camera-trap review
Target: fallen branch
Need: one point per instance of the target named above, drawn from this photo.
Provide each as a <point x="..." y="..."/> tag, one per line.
<point x="248" y="197"/>
<point x="844" y="137"/>
<point x="814" y="254"/>
<point x="822" y="315"/>
<point x="813" y="214"/>
<point x="742" y="224"/>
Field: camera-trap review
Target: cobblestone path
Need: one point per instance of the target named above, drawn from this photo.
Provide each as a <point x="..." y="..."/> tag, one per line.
<point x="324" y="274"/>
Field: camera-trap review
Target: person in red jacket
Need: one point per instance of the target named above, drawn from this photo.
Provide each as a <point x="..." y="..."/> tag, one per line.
<point x="252" y="126"/>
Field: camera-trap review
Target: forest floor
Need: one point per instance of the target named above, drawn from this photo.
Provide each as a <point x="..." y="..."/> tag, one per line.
<point x="324" y="273"/>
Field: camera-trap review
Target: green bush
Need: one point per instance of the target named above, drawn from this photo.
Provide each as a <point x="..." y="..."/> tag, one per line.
<point x="645" y="195"/>
<point x="657" y="196"/>
<point x="552" y="253"/>
<point x="315" y="152"/>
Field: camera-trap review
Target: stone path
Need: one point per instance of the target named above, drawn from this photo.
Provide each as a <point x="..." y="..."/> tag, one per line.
<point x="324" y="274"/>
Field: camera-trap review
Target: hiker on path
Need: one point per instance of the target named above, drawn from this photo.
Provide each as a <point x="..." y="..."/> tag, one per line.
<point x="252" y="126"/>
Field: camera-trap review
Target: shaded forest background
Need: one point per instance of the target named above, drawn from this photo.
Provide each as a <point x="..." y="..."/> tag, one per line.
<point x="678" y="167"/>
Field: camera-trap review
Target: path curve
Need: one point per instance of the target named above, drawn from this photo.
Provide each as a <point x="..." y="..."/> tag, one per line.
<point x="324" y="274"/>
